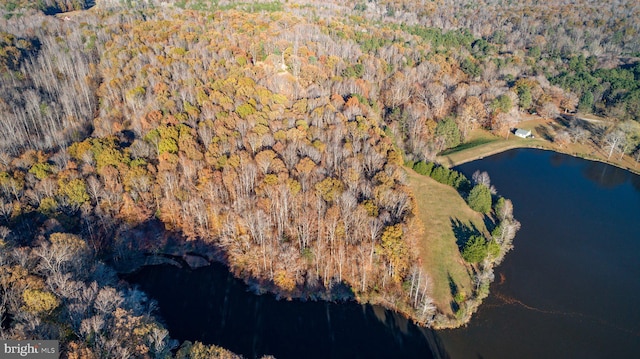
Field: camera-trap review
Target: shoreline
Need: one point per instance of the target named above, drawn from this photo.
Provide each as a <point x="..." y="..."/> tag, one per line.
<point x="449" y="163"/>
<point x="468" y="155"/>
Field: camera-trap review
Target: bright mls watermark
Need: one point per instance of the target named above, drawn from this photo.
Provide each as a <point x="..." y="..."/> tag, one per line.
<point x="44" y="349"/>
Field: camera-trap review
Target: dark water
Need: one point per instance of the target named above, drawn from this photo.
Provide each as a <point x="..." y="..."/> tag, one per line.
<point x="569" y="289"/>
<point x="209" y="305"/>
<point x="571" y="286"/>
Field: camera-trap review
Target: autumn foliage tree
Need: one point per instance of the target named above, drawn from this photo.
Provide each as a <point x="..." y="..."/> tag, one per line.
<point x="274" y="135"/>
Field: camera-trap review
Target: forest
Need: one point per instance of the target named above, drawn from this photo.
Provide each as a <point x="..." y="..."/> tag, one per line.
<point x="274" y="137"/>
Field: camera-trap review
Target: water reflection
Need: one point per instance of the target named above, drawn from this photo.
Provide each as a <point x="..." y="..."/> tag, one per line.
<point x="601" y="174"/>
<point x="569" y="288"/>
<point x="605" y="175"/>
<point x="635" y="182"/>
<point x="209" y="305"/>
<point x="556" y="159"/>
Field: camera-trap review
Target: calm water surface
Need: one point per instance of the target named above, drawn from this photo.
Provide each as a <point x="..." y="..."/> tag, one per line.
<point x="209" y="305"/>
<point x="569" y="289"/>
<point x="571" y="286"/>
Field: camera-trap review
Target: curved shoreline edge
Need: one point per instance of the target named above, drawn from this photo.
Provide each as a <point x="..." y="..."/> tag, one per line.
<point x="449" y="163"/>
<point x="478" y="153"/>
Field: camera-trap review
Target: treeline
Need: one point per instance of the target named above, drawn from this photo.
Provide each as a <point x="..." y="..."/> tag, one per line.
<point x="291" y="185"/>
<point x="613" y="92"/>
<point x="516" y="57"/>
<point x="559" y="27"/>
<point x="442" y="174"/>
<point x="480" y="251"/>
<point x="486" y="85"/>
<point x="248" y="6"/>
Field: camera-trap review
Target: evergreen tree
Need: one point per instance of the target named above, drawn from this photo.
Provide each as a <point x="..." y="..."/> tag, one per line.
<point x="449" y="131"/>
<point x="479" y="199"/>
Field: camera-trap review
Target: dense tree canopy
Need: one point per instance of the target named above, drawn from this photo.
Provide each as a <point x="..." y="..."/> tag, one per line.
<point x="273" y="133"/>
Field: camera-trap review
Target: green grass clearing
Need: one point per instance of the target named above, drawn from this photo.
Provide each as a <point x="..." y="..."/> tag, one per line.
<point x="438" y="205"/>
<point x="477" y="141"/>
<point x="481" y="143"/>
<point x="485" y="144"/>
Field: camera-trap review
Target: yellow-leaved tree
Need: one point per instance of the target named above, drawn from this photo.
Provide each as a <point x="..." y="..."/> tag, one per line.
<point x="39" y="301"/>
<point x="395" y="250"/>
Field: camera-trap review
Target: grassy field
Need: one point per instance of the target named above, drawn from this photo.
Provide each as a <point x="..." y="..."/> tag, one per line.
<point x="439" y="206"/>
<point x="481" y="143"/>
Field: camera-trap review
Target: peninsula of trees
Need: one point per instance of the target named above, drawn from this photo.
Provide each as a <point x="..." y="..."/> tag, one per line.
<point x="284" y="139"/>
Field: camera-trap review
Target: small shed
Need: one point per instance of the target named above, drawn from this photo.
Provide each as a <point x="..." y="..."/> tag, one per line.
<point x="523" y="133"/>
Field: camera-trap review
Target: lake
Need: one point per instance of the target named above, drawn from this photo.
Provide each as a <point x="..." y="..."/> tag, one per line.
<point x="569" y="289"/>
<point x="209" y="305"/>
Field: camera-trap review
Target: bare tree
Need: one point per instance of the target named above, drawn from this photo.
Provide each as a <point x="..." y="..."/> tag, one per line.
<point x="398" y="90"/>
<point x="562" y="138"/>
<point x="577" y="133"/>
<point x="4" y="233"/>
<point x="614" y="141"/>
<point x="549" y="110"/>
<point x="505" y="211"/>
<point x="481" y="178"/>
<point x="94" y="189"/>
<point x="107" y="300"/>
<point x="6" y="209"/>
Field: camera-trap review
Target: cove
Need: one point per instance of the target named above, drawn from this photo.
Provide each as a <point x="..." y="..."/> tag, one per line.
<point x="570" y="287"/>
<point x="209" y="305"/>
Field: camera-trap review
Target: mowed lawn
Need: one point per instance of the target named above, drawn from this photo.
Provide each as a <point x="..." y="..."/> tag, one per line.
<point x="438" y="206"/>
<point x="481" y="143"/>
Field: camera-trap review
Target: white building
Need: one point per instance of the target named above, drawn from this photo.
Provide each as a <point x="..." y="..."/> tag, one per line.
<point x="523" y="133"/>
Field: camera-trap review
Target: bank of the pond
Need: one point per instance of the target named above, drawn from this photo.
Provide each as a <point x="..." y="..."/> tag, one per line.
<point x="442" y="212"/>
<point x="440" y="209"/>
<point x="589" y="151"/>
<point x="210" y="305"/>
<point x="569" y="287"/>
<point x="567" y="290"/>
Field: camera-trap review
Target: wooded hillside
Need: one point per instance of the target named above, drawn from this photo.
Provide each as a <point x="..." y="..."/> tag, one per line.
<point x="274" y="134"/>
